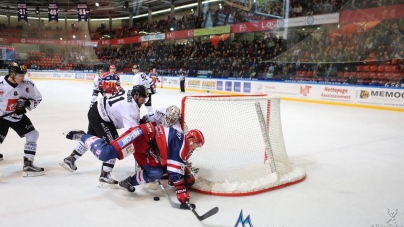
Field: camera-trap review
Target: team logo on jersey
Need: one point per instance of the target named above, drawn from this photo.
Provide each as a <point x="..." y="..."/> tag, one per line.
<point x="27" y="90"/>
<point x="15" y="93"/>
<point x="1" y="92"/>
<point x="11" y="104"/>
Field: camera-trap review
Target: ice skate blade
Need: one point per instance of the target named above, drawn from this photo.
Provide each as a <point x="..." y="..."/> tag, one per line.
<point x="66" y="167"/>
<point x="108" y="186"/>
<point x="32" y="174"/>
<point x="125" y="189"/>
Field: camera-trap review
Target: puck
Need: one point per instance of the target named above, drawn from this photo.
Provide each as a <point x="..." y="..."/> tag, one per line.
<point x="156" y="198"/>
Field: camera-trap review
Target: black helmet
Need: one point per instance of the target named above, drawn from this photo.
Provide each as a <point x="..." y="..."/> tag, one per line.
<point x="17" y="68"/>
<point x="140" y="91"/>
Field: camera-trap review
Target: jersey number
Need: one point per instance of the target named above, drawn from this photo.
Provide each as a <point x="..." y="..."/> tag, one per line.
<point x="116" y="98"/>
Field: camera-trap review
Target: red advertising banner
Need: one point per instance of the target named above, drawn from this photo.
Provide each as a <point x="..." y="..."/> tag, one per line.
<point x="372" y="14"/>
<point x="264" y="25"/>
<point x="180" y="34"/>
<point x="42" y="41"/>
<point x="133" y="39"/>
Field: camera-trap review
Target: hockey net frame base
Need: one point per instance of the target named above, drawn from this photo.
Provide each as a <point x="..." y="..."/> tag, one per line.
<point x="272" y="170"/>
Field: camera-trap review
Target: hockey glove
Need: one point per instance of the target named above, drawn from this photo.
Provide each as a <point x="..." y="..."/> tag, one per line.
<point x="182" y="194"/>
<point x="144" y="120"/>
<point x="189" y="178"/>
<point x="21" y="104"/>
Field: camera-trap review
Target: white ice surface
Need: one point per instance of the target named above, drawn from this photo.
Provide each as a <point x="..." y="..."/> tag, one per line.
<point x="353" y="159"/>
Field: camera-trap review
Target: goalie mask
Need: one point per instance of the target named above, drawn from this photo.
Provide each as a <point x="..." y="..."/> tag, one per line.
<point x="173" y="114"/>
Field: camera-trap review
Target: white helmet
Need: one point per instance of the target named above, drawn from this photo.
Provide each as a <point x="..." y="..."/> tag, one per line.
<point x="173" y="114"/>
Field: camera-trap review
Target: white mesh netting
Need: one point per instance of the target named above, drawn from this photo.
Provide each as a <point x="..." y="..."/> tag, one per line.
<point x="234" y="159"/>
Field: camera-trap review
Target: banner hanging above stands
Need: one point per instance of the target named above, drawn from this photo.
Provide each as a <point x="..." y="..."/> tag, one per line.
<point x="53" y="12"/>
<point x="264" y="25"/>
<point x="22" y="11"/>
<point x="184" y="34"/>
<point x="212" y="31"/>
<point x="82" y="10"/>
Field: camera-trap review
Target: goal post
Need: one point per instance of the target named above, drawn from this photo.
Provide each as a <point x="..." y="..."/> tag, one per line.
<point x="244" y="151"/>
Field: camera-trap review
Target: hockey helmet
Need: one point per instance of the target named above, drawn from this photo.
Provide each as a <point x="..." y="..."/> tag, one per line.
<point x="16" y="68"/>
<point x="135" y="67"/>
<point x="173" y="114"/>
<point x="112" y="67"/>
<point x="197" y="135"/>
<point x="140" y="91"/>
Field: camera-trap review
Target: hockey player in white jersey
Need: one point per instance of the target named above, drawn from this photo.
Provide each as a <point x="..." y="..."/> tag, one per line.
<point x="97" y="87"/>
<point x="141" y="78"/>
<point x="105" y="117"/>
<point x="17" y="94"/>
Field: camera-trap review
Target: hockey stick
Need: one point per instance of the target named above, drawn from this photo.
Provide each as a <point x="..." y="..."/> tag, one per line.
<point x="174" y="204"/>
<point x="211" y="212"/>
<point x="8" y="114"/>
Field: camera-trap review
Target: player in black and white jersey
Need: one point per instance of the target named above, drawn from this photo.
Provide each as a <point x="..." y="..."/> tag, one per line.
<point x="17" y="94"/>
<point x="141" y="78"/>
<point x="97" y="89"/>
<point x="105" y="117"/>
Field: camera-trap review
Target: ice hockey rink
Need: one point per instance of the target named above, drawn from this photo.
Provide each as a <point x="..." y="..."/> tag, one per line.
<point x="353" y="158"/>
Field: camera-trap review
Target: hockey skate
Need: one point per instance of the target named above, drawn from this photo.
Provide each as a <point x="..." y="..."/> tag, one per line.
<point x="1" y="157"/>
<point x="69" y="163"/>
<point x="30" y="170"/>
<point x="106" y="181"/>
<point x="74" y="134"/>
<point x="127" y="185"/>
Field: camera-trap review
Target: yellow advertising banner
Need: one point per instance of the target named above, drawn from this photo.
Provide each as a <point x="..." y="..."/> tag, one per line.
<point x="212" y="31"/>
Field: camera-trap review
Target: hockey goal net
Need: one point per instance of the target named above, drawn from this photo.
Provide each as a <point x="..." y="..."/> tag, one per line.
<point x="244" y="151"/>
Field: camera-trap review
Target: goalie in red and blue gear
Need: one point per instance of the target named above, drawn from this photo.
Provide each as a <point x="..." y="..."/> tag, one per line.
<point x="154" y="148"/>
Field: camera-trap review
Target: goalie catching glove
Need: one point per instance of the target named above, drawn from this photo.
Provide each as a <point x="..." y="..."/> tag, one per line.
<point x="21" y="105"/>
<point x="182" y="194"/>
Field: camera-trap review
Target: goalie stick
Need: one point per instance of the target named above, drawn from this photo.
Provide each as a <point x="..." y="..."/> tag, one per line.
<point x="174" y="204"/>
<point x="208" y="214"/>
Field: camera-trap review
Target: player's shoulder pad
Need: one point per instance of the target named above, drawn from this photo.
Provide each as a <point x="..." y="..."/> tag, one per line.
<point x="29" y="82"/>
